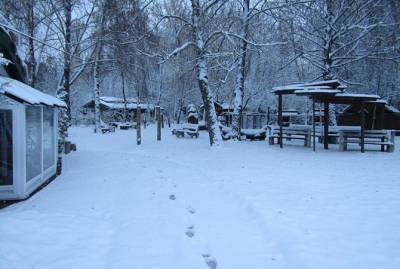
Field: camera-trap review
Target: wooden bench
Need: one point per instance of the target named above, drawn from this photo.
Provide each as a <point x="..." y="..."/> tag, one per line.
<point x="333" y="133"/>
<point x="126" y="126"/>
<point x="107" y="129"/>
<point x="383" y="138"/>
<point x="294" y="131"/>
<point x="253" y="134"/>
<point x="189" y="129"/>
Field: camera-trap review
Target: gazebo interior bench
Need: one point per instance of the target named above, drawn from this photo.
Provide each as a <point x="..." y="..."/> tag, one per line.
<point x="383" y="138"/>
<point x="297" y="132"/>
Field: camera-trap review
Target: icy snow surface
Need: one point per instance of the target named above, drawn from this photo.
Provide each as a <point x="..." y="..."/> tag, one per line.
<point x="179" y="204"/>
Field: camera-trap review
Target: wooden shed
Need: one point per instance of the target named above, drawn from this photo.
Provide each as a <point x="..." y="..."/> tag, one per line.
<point x="373" y="119"/>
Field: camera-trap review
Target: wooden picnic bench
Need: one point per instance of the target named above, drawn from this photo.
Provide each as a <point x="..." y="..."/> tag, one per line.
<point x="107" y="129"/>
<point x="383" y="138"/>
<point x="126" y="126"/>
<point x="293" y="131"/>
<point x="189" y="129"/>
<point x="333" y="133"/>
<point x="253" y="134"/>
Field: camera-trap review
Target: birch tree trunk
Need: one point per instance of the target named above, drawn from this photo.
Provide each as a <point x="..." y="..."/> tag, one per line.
<point x="241" y="73"/>
<point x="96" y="68"/>
<point x="124" y="96"/>
<point x="63" y="91"/>
<point x="31" y="46"/>
<point x="202" y="75"/>
<point x="96" y="73"/>
<point x="328" y="61"/>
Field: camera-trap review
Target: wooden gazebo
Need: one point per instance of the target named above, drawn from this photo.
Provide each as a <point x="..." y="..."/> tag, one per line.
<point x="328" y="92"/>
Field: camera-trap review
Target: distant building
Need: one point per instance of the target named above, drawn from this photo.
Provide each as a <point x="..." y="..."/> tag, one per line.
<point x="113" y="109"/>
<point x="373" y="120"/>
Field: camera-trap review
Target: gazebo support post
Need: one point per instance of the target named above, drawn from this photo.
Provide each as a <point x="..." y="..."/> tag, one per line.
<point x="381" y="116"/>
<point x="280" y="120"/>
<point x="313" y="122"/>
<point x="326" y="124"/>
<point x="362" y="125"/>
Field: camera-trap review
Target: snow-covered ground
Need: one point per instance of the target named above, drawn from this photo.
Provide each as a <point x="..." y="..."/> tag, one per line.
<point x="177" y="204"/>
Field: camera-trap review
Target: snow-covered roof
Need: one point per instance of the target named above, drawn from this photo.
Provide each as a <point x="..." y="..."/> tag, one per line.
<point x="357" y="95"/>
<point x="24" y="93"/>
<point x="112" y="102"/>
<point x="335" y="83"/>
<point x="313" y="86"/>
<point x="121" y="105"/>
<point x="112" y="99"/>
<point x="317" y="91"/>
<point x="226" y="106"/>
<point x="290" y="113"/>
<point x="392" y="109"/>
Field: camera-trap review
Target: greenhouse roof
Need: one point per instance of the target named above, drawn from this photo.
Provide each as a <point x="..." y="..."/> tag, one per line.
<point x="26" y="94"/>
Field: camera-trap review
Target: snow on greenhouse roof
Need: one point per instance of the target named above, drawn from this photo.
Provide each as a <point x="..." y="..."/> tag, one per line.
<point x="26" y="94"/>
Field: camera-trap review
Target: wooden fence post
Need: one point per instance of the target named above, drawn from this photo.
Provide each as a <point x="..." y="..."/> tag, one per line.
<point x="158" y="118"/>
<point x="138" y="128"/>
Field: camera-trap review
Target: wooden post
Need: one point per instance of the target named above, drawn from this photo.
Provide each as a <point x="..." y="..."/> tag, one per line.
<point x="169" y="122"/>
<point x="326" y="125"/>
<point x="138" y="127"/>
<point x="158" y="118"/>
<point x="280" y="120"/>
<point x="382" y="116"/>
<point x="362" y="126"/>
<point x="268" y="116"/>
<point x="162" y="121"/>
<point x="313" y="122"/>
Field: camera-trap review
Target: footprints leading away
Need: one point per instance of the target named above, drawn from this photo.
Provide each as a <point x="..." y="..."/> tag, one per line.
<point x="190" y="231"/>
<point x="191" y="210"/>
<point x="209" y="259"/>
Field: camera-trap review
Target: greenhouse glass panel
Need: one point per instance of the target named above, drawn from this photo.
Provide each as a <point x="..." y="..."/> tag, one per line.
<point x="6" y="148"/>
<point x="33" y="142"/>
<point x="48" y="138"/>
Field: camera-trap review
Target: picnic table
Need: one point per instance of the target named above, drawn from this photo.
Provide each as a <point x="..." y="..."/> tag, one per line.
<point x="333" y="133"/>
<point x="383" y="138"/>
<point x="126" y="125"/>
<point x="293" y="131"/>
<point x="107" y="129"/>
<point x="189" y="129"/>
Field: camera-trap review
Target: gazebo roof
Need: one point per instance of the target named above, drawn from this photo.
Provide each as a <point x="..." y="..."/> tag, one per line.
<point x="331" y="91"/>
<point x="23" y="93"/>
<point x="348" y="98"/>
<point x="326" y="85"/>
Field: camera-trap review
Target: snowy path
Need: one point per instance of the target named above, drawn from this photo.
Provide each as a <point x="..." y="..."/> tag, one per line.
<point x="178" y="204"/>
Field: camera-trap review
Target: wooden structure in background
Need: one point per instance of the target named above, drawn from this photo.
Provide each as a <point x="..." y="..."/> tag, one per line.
<point x="326" y="93"/>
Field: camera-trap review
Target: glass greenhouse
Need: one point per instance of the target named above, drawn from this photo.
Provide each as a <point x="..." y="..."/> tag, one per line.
<point x="28" y="138"/>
